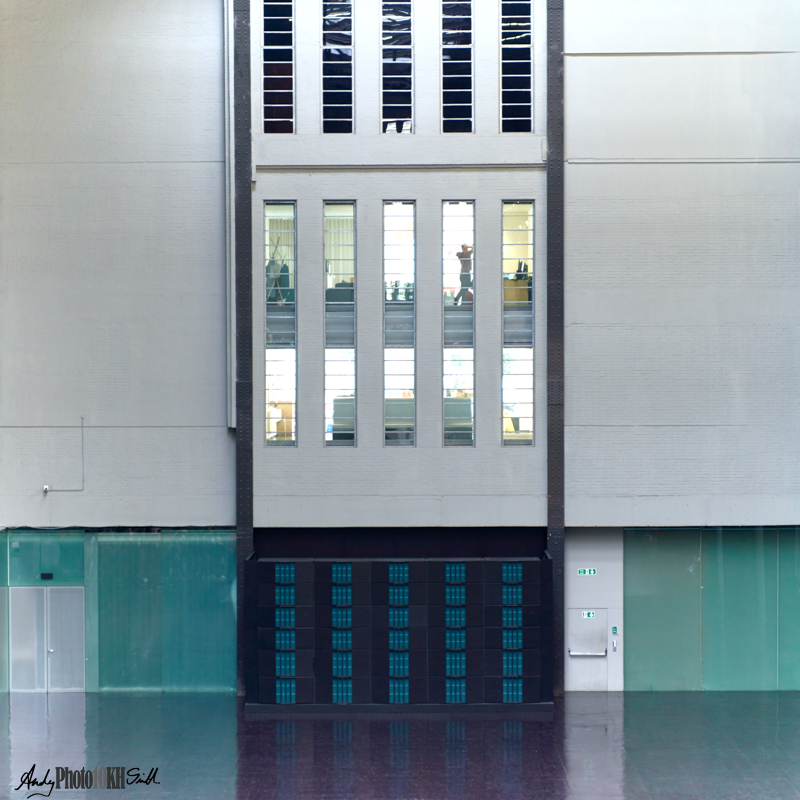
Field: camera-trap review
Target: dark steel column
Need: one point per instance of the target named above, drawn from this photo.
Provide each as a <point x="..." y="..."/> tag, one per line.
<point x="555" y="324"/>
<point x="244" y="316"/>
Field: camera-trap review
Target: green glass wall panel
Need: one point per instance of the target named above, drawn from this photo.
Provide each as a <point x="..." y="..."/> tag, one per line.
<point x="789" y="608"/>
<point x="740" y="613"/>
<point x="198" y="624"/>
<point x="166" y="617"/>
<point x="4" y="559"/>
<point x="4" y="654"/>
<point x="129" y="611"/>
<point x="662" y="588"/>
<point x="57" y="552"/>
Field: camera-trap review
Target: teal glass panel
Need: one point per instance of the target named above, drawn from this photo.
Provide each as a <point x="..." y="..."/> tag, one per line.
<point x="4" y="538"/>
<point x="129" y="611"/>
<point x="32" y="553"/>
<point x="4" y="654"/>
<point x="789" y="608"/>
<point x="740" y="609"/>
<point x="662" y="588"/>
<point x="167" y="611"/>
<point x="198" y="611"/>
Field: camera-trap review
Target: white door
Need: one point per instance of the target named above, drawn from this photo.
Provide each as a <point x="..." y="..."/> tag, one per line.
<point x="46" y="638"/>
<point x="587" y="648"/>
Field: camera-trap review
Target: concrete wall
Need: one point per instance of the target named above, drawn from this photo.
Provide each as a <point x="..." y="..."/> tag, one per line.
<point x="682" y="251"/>
<point x="372" y="485"/>
<point x="112" y="264"/>
<point x="427" y="485"/>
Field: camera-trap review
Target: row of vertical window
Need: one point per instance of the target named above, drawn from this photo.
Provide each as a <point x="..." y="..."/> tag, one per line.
<point x="399" y="316"/>
<point x="397" y="55"/>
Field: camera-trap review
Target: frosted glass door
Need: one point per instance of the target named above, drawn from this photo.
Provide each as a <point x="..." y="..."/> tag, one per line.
<point x="26" y="634"/>
<point x="46" y="637"/>
<point x="65" y="637"/>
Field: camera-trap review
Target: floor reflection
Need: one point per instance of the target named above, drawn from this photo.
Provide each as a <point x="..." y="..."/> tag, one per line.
<point x="668" y="746"/>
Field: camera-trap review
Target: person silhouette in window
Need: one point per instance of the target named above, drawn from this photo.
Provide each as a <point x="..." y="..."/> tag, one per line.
<point x="465" y="257"/>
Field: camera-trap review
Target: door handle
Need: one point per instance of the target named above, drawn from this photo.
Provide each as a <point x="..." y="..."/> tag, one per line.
<point x="589" y="655"/>
<point x="49" y="650"/>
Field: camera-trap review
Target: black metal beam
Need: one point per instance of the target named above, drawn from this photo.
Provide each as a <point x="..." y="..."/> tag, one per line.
<point x="555" y="325"/>
<point x="244" y="315"/>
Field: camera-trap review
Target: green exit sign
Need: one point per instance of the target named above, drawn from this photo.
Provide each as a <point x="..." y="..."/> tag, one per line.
<point x="588" y="614"/>
<point x="587" y="572"/>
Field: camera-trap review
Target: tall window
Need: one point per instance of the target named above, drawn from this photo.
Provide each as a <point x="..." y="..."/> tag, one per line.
<point x="517" y="62"/>
<point x="458" y="284"/>
<point x="399" y="323"/>
<point x="340" y="324"/>
<point x="457" y="67"/>
<point x="518" y="322"/>
<point x="278" y="67"/>
<point x="397" y="67"/>
<point x="280" y="323"/>
<point x="337" y="66"/>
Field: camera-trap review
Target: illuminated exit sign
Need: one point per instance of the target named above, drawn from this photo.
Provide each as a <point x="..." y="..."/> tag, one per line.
<point x="588" y="614"/>
<point x="587" y="571"/>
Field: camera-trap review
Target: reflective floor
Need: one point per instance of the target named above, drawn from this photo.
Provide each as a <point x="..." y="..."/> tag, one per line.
<point x="653" y="746"/>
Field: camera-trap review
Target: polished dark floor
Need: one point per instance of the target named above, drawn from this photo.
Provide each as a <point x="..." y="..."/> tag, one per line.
<point x="649" y="746"/>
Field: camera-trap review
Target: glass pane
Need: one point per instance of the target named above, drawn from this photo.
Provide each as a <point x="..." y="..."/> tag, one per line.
<point x="65" y="638"/>
<point x="516" y="56"/>
<point x="27" y="638"/>
<point x="280" y="323"/>
<point x="458" y="297"/>
<point x="281" y="372"/>
<point x="397" y="61"/>
<point x="399" y="323"/>
<point x="518" y="395"/>
<point x="457" y="60"/>
<point x="340" y="334"/>
<point x="517" y="277"/>
<point x="337" y="59"/>
<point x="340" y="397"/>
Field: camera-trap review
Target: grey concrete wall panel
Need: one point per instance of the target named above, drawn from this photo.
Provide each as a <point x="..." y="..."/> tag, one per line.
<point x="682" y="245"/>
<point x="112" y="264"/>
<point x="370" y="485"/>
<point x="683" y="347"/>
<point x="682" y="26"/>
<point x="727" y="106"/>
